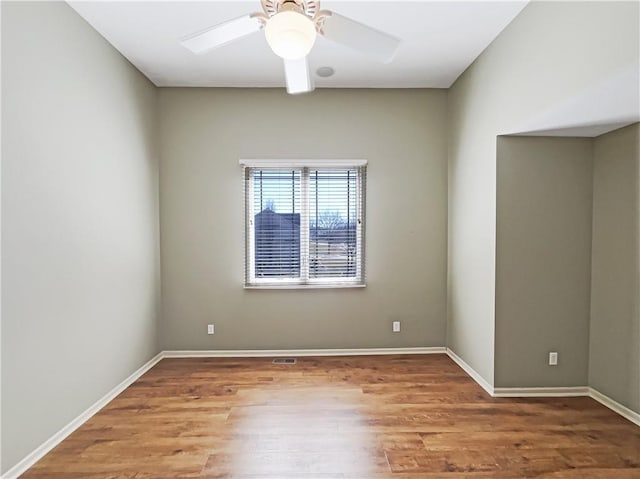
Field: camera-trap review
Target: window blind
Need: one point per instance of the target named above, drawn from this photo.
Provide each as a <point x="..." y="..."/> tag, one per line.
<point x="304" y="225"/>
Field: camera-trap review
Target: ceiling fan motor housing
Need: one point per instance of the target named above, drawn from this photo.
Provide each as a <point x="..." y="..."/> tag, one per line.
<point x="306" y="7"/>
<point x="290" y="28"/>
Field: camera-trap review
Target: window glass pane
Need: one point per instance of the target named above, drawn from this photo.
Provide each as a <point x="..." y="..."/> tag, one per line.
<point x="333" y="223"/>
<point x="276" y="204"/>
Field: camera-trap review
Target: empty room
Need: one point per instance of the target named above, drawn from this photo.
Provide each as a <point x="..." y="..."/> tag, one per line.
<point x="301" y="239"/>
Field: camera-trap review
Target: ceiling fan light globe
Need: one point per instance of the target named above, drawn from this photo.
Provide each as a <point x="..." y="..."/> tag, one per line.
<point x="290" y="34"/>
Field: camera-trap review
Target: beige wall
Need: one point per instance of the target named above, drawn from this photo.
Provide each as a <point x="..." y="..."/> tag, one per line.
<point x="80" y="214"/>
<point x="203" y="133"/>
<point x="614" y="366"/>
<point x="548" y="54"/>
<point x="79" y="222"/>
<point x="543" y="260"/>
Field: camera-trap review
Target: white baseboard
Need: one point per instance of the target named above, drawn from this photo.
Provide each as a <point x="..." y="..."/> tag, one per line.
<point x="261" y="353"/>
<point x="541" y="392"/>
<point x="578" y="391"/>
<point x="54" y="440"/>
<point x="58" y="437"/>
<point x="615" y="406"/>
<point x="471" y="372"/>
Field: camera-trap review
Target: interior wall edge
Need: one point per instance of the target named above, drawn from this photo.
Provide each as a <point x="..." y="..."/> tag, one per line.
<point x="43" y="449"/>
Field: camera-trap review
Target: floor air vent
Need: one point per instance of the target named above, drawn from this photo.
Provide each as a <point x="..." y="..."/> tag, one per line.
<point x="284" y="361"/>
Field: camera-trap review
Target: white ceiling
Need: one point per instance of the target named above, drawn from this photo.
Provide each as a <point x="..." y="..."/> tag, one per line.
<point x="607" y="105"/>
<point x="440" y="40"/>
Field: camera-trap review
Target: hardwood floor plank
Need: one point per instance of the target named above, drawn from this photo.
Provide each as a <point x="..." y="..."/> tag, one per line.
<point x="364" y="417"/>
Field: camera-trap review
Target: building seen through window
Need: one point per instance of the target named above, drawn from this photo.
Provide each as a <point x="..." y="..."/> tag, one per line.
<point x="305" y="224"/>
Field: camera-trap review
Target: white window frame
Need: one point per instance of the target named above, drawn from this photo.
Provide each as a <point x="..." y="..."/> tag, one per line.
<point x="253" y="282"/>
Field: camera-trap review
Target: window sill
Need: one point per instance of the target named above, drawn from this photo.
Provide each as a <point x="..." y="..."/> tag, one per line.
<point x="305" y="286"/>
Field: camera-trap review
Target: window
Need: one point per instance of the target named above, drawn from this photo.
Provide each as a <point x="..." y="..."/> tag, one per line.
<point x="304" y="223"/>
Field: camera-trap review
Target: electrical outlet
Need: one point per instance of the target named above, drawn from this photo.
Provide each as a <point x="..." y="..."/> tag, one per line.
<point x="553" y="359"/>
<point x="210" y="329"/>
<point x="396" y="326"/>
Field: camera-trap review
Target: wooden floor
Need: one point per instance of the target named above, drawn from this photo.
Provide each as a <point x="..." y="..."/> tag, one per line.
<point x="400" y="417"/>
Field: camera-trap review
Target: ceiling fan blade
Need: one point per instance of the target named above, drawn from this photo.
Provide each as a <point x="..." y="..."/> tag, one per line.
<point x="298" y="77"/>
<point x="369" y="41"/>
<point x="223" y="33"/>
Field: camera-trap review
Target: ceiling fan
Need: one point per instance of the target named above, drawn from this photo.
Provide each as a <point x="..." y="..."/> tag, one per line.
<point x="291" y="27"/>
